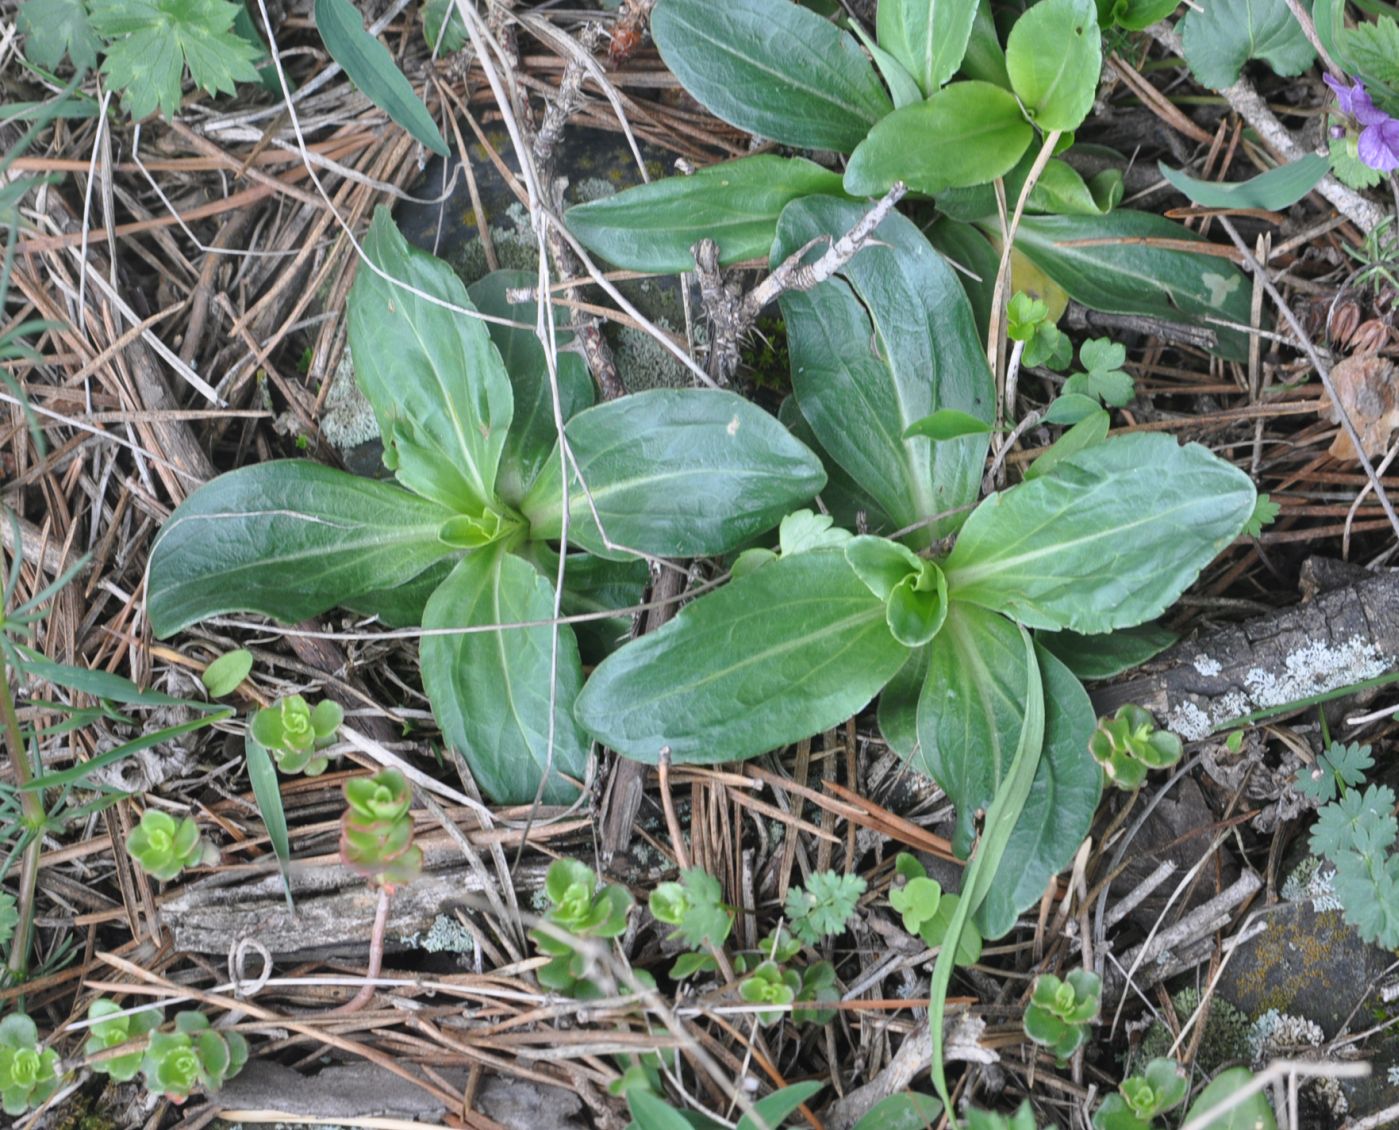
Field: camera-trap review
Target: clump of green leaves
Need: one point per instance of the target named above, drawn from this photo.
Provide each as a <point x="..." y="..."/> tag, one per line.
<point x="1028" y="322"/>
<point x="823" y="906"/>
<point x="148" y="45"/>
<point x="1357" y="831"/>
<point x="695" y="907"/>
<point x="1140" y="1098"/>
<point x="770" y="984"/>
<point x="376" y="831"/>
<point x="927" y="911"/>
<point x="1060" y="1011"/>
<point x="1128" y="746"/>
<point x="164" y="847"/>
<point x="294" y="733"/>
<point x="813" y="985"/>
<point x="581" y="909"/>
<point x="192" y="1056"/>
<point x="118" y="1029"/>
<point x="1022" y="1119"/>
<point x="28" y="1074"/>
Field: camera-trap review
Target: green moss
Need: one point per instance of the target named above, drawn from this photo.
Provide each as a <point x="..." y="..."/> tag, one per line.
<point x="1225" y="1038"/>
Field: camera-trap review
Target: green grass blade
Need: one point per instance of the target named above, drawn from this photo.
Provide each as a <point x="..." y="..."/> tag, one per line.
<point x="262" y="774"/>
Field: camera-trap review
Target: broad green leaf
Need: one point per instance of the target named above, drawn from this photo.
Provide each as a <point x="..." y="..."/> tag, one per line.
<point x="1221" y="36"/>
<point x="402" y="605"/>
<point x="593" y="584"/>
<point x="898" y="704"/>
<point x="848" y="504"/>
<point x="490" y="690"/>
<point x="947" y="423"/>
<point x="532" y="433"/>
<point x="985" y="59"/>
<point x="881" y="563"/>
<point x="372" y="69"/>
<point x="884" y="344"/>
<point x="267" y="791"/>
<point x="1059" y="191"/>
<point x="1274" y="190"/>
<point x="651" y="1112"/>
<point x="907" y="1110"/>
<point x="772" y="68"/>
<point x="439" y="389"/>
<point x="1109" y="540"/>
<point x="1137" y="15"/>
<point x="974" y="261"/>
<point x="914" y="590"/>
<point x="652" y="227"/>
<point x="780" y="654"/>
<point x="224" y="675"/>
<point x="967" y="133"/>
<point x="1059" y="810"/>
<point x="54" y="28"/>
<point x="289" y="539"/>
<point x="1086" y="433"/>
<point x="902" y="85"/>
<point x="774" y="1109"/>
<point x="1109" y="263"/>
<point x="1056" y="85"/>
<point x="1252" y="1113"/>
<point x="674" y="473"/>
<point x="1104" y="656"/>
<point x="929" y="37"/>
<point x="1001" y="819"/>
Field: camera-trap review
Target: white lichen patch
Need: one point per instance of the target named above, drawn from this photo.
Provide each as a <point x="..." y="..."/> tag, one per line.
<point x="1207" y="667"/>
<point x="1316" y="668"/>
<point x="1311" y="882"/>
<point x="445" y="935"/>
<point x="1189" y="721"/>
<point x="348" y="418"/>
<point x="1275" y="1035"/>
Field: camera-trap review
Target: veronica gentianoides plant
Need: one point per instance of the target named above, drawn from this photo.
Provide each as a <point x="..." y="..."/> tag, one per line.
<point x="465" y="543"/>
<point x="1102" y="540"/>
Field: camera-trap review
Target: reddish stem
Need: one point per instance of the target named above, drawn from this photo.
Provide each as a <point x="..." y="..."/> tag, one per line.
<point x="376" y="959"/>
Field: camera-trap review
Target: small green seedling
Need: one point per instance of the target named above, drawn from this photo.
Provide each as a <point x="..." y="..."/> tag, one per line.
<point x="927" y="912"/>
<point x="580" y="909"/>
<point x="824" y="906"/>
<point x="1022" y="1119"/>
<point x="112" y="1033"/>
<point x="294" y="733"/>
<point x="28" y="1074"/>
<point x="376" y="832"/>
<point x="226" y="673"/>
<point x="1028" y="322"/>
<point x="770" y="984"/>
<point x="163" y="848"/>
<point x="1141" y="1098"/>
<point x="192" y="1056"/>
<point x="1060" y="1012"/>
<point x="695" y="907"/>
<point x="1103" y="379"/>
<point x="1128" y="745"/>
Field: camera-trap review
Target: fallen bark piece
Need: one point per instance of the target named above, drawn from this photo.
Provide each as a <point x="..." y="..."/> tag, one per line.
<point x="1338" y="638"/>
<point x="357" y="1090"/>
<point x="334" y="906"/>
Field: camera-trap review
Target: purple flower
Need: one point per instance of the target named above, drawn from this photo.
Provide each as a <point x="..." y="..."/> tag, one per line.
<point x="1379" y="139"/>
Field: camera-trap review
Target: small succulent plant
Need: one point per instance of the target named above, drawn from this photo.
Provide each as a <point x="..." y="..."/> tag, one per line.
<point x="164" y="847"/>
<point x="1140" y="1098"/>
<point x="770" y="984"/>
<point x="1128" y="745"/>
<point x="1060" y="1012"/>
<point x="28" y="1074"/>
<point x="194" y="1055"/>
<point x="581" y="909"/>
<point x="294" y="733"/>
<point x="376" y="832"/>
<point x="116" y="1031"/>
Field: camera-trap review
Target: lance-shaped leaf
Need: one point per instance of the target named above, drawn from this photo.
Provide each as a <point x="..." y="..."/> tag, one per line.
<point x="1109" y="539"/>
<point x="773" y="68"/>
<point x="532" y="433"/>
<point x="439" y="389"/>
<point x="970" y="718"/>
<point x="782" y="653"/>
<point x="289" y="539"/>
<point x="652" y="227"/>
<point x="929" y="37"/>
<point x="1276" y="189"/>
<point x="967" y="133"/>
<point x="878" y="348"/>
<point x="1135" y="263"/>
<point x="675" y="473"/>
<point x="491" y="690"/>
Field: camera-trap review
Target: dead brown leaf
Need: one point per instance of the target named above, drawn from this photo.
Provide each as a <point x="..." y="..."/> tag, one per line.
<point x="1366" y="389"/>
